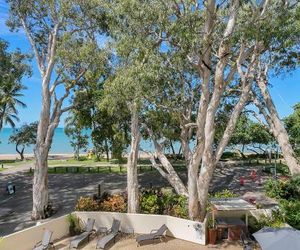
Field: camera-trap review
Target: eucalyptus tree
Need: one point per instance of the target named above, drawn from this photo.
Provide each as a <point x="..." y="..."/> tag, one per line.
<point x="292" y="124"/>
<point x="263" y="101"/>
<point x="222" y="44"/>
<point x="13" y="67"/>
<point x="250" y="135"/>
<point x="63" y="46"/>
<point x="24" y="137"/>
<point x="109" y="129"/>
<point x="280" y="57"/>
<point x="74" y="130"/>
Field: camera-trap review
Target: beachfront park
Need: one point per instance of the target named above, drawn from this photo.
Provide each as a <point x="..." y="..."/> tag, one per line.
<point x="149" y="125"/>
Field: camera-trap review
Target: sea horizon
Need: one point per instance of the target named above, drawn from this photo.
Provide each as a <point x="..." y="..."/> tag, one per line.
<point x="60" y="144"/>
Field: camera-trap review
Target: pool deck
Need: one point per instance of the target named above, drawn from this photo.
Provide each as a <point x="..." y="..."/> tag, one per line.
<point x="125" y="243"/>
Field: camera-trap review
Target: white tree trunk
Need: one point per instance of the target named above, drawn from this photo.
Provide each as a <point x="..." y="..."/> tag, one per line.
<point x="172" y="176"/>
<point x="132" y="176"/>
<point x="279" y="130"/>
<point x="40" y="194"/>
<point x="168" y="171"/>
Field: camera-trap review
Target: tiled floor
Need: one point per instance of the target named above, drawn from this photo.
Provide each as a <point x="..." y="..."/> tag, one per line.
<point x="168" y="244"/>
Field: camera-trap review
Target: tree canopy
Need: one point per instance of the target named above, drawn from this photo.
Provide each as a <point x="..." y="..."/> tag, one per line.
<point x="13" y="68"/>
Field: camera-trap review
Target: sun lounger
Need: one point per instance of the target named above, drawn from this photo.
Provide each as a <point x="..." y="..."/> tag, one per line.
<point x="111" y="235"/>
<point x="159" y="234"/>
<point x="75" y="242"/>
<point x="46" y="241"/>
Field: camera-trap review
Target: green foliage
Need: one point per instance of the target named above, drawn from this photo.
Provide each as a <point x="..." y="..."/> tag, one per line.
<point x="74" y="224"/>
<point x="250" y="133"/>
<point x="288" y="194"/>
<point x="280" y="168"/>
<point x="74" y="131"/>
<point x="291" y="211"/>
<point x="24" y="136"/>
<point x="288" y="189"/>
<point x="163" y="202"/>
<point x="224" y="194"/>
<point x="210" y="222"/>
<point x="13" y="67"/>
<point x="275" y="220"/>
<point x="150" y="204"/>
<point x="292" y="124"/>
<point x="230" y="155"/>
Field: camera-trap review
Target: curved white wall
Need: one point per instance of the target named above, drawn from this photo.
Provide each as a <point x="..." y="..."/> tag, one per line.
<point x="141" y="223"/>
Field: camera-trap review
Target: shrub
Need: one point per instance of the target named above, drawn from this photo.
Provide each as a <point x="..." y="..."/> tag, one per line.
<point x="274" y="188"/>
<point x="230" y="155"/>
<point x="280" y="169"/>
<point x="86" y="204"/>
<point x="291" y="212"/>
<point x="276" y="220"/>
<point x="114" y="203"/>
<point x="293" y="187"/>
<point x="180" y="208"/>
<point x="288" y="189"/>
<point x="74" y="224"/>
<point x="150" y="204"/>
<point x="224" y="194"/>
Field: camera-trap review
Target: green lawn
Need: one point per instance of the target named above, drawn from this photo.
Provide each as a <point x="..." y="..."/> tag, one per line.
<point x="14" y="162"/>
<point x="101" y="169"/>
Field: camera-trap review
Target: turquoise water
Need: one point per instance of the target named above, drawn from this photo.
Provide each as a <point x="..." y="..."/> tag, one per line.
<point x="60" y="145"/>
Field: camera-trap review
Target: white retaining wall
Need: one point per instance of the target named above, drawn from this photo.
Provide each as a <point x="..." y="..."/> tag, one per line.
<point x="27" y="238"/>
<point x="141" y="223"/>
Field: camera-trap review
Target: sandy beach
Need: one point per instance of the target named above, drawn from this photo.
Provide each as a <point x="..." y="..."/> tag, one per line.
<point x="64" y="156"/>
<point x="31" y="156"/>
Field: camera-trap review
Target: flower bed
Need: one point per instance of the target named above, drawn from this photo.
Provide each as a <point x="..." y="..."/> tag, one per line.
<point x="152" y="201"/>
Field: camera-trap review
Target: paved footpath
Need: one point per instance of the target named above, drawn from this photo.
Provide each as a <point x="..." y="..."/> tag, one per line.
<point x="64" y="190"/>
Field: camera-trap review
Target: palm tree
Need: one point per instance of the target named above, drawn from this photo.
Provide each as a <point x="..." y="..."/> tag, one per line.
<point x="9" y="101"/>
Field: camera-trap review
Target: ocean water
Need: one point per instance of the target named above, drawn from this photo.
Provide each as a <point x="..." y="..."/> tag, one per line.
<point x="60" y="144"/>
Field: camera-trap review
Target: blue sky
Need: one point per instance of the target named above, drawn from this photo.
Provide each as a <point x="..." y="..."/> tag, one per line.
<point x="285" y="90"/>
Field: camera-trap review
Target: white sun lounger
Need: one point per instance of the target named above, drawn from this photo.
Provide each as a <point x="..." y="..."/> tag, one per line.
<point x="112" y="233"/>
<point x="77" y="240"/>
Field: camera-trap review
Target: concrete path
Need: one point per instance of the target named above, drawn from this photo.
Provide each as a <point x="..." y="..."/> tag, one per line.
<point x="65" y="189"/>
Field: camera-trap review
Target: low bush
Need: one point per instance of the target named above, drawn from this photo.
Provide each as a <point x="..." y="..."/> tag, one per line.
<point x="152" y="201"/>
<point x="283" y="189"/>
<point x="288" y="195"/>
<point x="230" y="155"/>
<point x="74" y="224"/>
<point x="150" y="204"/>
<point x="223" y="194"/>
<point x="280" y="169"/>
<point x="114" y="203"/>
<point x="276" y="220"/>
<point x="86" y="204"/>
<point x="163" y="202"/>
<point x="291" y="212"/>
